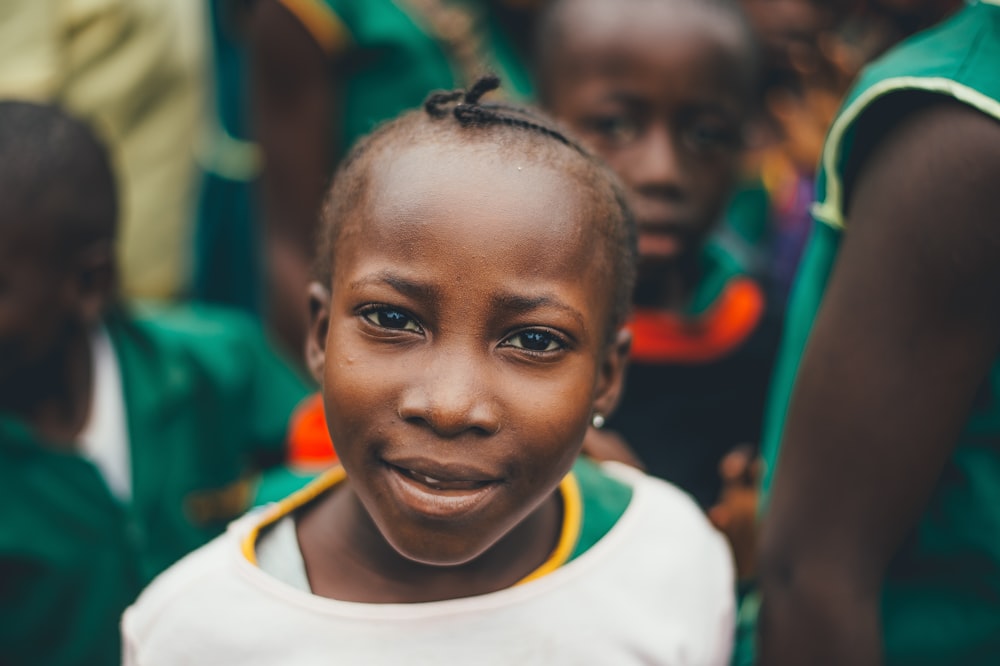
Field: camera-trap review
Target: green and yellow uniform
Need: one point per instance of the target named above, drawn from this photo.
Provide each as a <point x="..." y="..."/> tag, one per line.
<point x="390" y="54"/>
<point x="205" y="398"/>
<point x="940" y="597"/>
<point x="386" y="56"/>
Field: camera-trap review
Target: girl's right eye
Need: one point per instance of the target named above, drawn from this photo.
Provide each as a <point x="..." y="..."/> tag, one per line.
<point x="392" y="319"/>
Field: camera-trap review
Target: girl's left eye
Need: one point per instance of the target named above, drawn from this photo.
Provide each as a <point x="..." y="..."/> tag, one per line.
<point x="392" y="319"/>
<point x="535" y="341"/>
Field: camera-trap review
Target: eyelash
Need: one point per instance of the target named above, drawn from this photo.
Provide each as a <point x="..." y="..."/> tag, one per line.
<point x="553" y="337"/>
<point x="370" y="314"/>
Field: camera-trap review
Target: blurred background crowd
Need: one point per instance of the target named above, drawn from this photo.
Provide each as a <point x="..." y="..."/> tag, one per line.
<point x="224" y="120"/>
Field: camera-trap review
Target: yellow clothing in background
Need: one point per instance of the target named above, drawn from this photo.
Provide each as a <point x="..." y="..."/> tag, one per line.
<point x="134" y="69"/>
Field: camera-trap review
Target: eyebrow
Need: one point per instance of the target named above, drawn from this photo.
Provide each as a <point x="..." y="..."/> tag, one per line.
<point x="701" y="106"/>
<point x="405" y="286"/>
<point x="520" y="304"/>
<point x="508" y="302"/>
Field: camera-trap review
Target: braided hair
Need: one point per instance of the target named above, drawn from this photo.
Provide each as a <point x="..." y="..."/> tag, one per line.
<point x="460" y="116"/>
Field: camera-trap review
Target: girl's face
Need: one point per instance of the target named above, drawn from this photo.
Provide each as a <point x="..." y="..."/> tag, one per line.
<point x="462" y="348"/>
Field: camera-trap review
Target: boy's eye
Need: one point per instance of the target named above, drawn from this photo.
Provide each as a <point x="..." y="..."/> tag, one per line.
<point x="620" y="129"/>
<point x="713" y="137"/>
<point x="392" y="319"/>
<point x="535" y="341"/>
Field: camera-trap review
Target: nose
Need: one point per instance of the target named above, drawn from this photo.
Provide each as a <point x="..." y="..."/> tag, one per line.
<point x="453" y="396"/>
<point x="658" y="167"/>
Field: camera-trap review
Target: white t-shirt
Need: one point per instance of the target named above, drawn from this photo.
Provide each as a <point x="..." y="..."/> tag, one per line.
<point x="657" y="589"/>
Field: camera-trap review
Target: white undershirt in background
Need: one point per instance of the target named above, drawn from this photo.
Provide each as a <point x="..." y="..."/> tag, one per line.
<point x="104" y="439"/>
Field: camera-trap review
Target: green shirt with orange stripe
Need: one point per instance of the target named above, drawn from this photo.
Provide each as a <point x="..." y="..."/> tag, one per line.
<point x="697" y="380"/>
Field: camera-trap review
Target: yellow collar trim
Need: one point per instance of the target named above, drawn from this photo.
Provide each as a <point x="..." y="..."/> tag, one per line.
<point x="299" y="498"/>
<point x="572" y="521"/>
<point x="569" y="490"/>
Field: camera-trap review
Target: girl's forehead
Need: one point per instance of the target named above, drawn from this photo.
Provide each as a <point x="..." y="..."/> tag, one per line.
<point x="469" y="186"/>
<point x="487" y="206"/>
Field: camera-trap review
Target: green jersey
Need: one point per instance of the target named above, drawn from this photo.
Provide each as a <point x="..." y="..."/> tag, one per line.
<point x="204" y="396"/>
<point x="941" y="596"/>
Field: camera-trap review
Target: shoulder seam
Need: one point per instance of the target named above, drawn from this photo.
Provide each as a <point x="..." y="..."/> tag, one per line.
<point x="830" y="210"/>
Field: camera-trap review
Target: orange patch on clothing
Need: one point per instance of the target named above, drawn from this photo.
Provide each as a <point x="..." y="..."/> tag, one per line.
<point x="309" y="443"/>
<point x="664" y="337"/>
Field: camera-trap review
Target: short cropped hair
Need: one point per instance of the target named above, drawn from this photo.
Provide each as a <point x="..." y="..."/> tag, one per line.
<point x="54" y="172"/>
<point x="459" y="117"/>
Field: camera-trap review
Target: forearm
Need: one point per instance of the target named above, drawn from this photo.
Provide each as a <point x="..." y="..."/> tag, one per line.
<point x="815" y="615"/>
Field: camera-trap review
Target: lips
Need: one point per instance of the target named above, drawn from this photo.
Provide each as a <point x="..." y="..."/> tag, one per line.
<point x="439" y="490"/>
<point x="441" y="484"/>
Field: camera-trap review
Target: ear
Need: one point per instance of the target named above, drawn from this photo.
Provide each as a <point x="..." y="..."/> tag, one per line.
<point x="611" y="377"/>
<point x="95" y="280"/>
<point x="319" y="323"/>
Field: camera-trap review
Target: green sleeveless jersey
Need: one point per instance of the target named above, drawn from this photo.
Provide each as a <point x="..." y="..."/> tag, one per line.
<point x="941" y="598"/>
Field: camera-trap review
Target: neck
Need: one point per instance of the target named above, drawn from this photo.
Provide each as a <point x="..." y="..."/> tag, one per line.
<point x="348" y="558"/>
<point x="668" y="286"/>
<point x="53" y="397"/>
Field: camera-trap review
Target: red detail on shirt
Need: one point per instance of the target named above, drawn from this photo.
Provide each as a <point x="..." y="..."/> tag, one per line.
<point x="309" y="443"/>
<point x="665" y="337"/>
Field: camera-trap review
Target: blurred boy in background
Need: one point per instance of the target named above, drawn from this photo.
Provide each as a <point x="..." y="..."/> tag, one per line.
<point x="664" y="90"/>
<point x="134" y="70"/>
<point x="126" y="439"/>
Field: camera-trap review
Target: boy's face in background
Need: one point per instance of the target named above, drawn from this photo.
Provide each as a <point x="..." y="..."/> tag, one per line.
<point x="35" y="315"/>
<point x="462" y="353"/>
<point x="661" y="90"/>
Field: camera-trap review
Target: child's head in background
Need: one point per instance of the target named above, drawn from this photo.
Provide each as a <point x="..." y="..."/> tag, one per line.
<point x="57" y="228"/>
<point x="663" y="90"/>
<point x="475" y="272"/>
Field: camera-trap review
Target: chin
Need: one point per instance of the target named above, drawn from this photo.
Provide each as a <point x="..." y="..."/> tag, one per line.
<point x="438" y="548"/>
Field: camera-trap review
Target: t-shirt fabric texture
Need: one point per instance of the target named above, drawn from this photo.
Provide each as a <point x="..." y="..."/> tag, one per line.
<point x="657" y="588"/>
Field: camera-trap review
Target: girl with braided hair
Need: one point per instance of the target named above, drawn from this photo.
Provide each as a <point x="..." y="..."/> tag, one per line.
<point x="467" y="327"/>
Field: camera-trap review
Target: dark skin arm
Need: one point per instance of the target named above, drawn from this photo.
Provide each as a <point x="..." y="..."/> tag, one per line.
<point x="296" y="119"/>
<point x="909" y="328"/>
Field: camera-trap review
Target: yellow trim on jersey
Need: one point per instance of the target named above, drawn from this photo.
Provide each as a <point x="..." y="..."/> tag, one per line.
<point x="303" y="496"/>
<point x="570" y="534"/>
<point x="830" y="211"/>
<point x="569" y="490"/>
<point x="322" y="23"/>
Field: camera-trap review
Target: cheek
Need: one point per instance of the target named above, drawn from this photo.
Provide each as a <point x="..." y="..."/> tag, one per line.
<point x="714" y="182"/>
<point x="548" y="423"/>
<point x="356" y="392"/>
